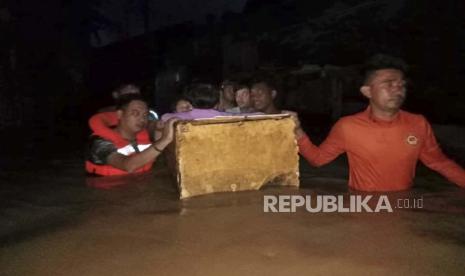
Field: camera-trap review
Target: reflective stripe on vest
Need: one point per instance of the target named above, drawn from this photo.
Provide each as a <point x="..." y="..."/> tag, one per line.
<point x="123" y="147"/>
<point x="129" y="149"/>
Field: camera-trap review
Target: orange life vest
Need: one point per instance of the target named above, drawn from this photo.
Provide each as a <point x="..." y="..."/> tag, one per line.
<point x="123" y="146"/>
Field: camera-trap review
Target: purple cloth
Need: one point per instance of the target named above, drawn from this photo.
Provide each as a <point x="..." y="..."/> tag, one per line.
<point x="195" y="114"/>
<point x="203" y="114"/>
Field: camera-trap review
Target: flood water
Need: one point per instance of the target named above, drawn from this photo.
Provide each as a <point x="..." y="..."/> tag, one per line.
<point x="53" y="223"/>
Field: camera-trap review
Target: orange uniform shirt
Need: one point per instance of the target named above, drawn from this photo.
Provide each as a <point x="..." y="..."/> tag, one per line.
<point x="382" y="155"/>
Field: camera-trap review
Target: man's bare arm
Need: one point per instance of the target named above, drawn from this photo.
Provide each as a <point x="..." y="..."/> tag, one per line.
<point x="432" y="156"/>
<point x="135" y="161"/>
<point x="331" y="148"/>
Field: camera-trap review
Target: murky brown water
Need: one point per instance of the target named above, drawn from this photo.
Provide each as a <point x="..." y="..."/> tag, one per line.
<point x="53" y="224"/>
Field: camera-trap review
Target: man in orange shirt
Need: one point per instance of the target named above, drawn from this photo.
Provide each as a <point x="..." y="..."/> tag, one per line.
<point x="383" y="143"/>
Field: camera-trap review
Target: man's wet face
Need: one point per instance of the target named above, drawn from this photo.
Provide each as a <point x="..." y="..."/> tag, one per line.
<point x="135" y="116"/>
<point x="386" y="89"/>
<point x="261" y="96"/>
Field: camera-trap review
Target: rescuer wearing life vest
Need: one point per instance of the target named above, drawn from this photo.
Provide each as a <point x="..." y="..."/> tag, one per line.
<point x="127" y="148"/>
<point x="106" y="119"/>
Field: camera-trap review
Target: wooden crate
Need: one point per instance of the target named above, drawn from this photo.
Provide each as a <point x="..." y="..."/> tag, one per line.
<point x="231" y="154"/>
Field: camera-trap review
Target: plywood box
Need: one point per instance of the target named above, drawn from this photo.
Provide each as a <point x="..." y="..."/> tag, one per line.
<point x="234" y="154"/>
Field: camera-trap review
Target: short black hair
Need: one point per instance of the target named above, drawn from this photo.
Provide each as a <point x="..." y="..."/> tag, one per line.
<point x="240" y="86"/>
<point x="203" y="95"/>
<point x="123" y="85"/>
<point x="125" y="100"/>
<point x="266" y="79"/>
<point x="228" y="82"/>
<point x="270" y="81"/>
<point x="382" y="61"/>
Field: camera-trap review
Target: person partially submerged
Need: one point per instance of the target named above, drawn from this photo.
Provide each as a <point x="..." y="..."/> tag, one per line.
<point x="383" y="143"/>
<point x="226" y="96"/>
<point x="263" y="96"/>
<point x="128" y="149"/>
<point x="105" y="120"/>
<point x="242" y="96"/>
<point x="203" y="98"/>
<point x="181" y="104"/>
